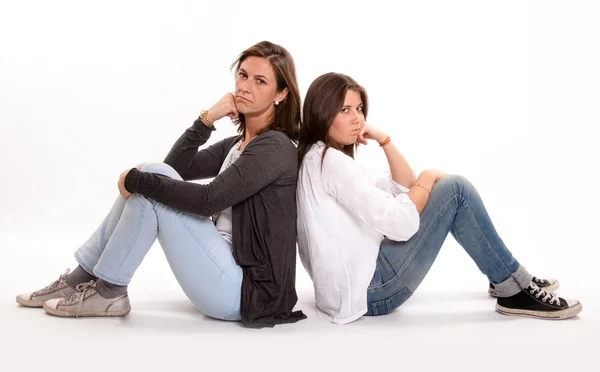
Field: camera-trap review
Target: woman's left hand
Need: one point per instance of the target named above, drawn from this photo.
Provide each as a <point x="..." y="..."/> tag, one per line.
<point x="121" y="184"/>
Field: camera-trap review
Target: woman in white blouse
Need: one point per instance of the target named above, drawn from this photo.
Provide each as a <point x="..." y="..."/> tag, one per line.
<point x="368" y="245"/>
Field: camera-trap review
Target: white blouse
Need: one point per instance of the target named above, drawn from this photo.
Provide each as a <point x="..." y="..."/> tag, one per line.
<point x="343" y="216"/>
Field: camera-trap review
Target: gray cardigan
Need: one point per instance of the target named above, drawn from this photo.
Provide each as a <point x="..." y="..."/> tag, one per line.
<point x="261" y="188"/>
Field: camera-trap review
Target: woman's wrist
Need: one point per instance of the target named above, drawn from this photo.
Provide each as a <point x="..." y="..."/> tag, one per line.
<point x="204" y="117"/>
<point x="383" y="140"/>
<point x="210" y="116"/>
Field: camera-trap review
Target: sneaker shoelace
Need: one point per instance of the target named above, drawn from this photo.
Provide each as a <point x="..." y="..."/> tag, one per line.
<point x="538" y="292"/>
<point x="79" y="295"/>
<point x="52" y="285"/>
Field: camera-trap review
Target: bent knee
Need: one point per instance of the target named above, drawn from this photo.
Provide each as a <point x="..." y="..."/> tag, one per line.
<point x="159" y="168"/>
<point x="457" y="179"/>
<point x="455" y="182"/>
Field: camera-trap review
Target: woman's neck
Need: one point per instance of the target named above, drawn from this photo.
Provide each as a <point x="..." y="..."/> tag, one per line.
<point x="255" y="124"/>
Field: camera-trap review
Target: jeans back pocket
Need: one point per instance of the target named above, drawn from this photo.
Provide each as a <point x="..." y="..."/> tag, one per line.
<point x="389" y="304"/>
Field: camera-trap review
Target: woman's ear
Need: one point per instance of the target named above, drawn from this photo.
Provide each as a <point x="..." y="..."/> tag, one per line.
<point x="281" y="95"/>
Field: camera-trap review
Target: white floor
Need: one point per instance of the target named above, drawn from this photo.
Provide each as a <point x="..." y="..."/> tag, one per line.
<point x="444" y="324"/>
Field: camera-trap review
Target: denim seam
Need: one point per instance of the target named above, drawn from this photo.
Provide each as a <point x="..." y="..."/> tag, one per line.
<point x="387" y="261"/>
<point x="488" y="245"/>
<point x="470" y="211"/>
<point x="418" y="247"/>
<point x="383" y="257"/>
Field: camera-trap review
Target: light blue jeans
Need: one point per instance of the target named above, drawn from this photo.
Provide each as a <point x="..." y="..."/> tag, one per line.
<point x="455" y="207"/>
<point x="200" y="258"/>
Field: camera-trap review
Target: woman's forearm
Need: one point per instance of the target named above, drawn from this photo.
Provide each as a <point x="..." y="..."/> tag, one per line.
<point x="185" y="148"/>
<point x="401" y="172"/>
<point x="419" y="193"/>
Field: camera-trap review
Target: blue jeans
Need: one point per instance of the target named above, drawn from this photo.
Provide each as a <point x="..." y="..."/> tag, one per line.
<point x="455" y="207"/>
<point x="200" y="258"/>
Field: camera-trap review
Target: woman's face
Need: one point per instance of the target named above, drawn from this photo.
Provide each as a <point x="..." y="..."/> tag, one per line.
<point x="256" y="87"/>
<point x="349" y="121"/>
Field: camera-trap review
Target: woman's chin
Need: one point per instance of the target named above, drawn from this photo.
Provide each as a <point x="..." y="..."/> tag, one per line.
<point x="352" y="140"/>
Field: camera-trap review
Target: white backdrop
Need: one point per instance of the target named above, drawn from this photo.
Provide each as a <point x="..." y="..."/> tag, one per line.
<point x="504" y="93"/>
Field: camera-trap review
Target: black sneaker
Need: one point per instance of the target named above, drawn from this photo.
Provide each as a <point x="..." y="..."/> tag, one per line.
<point x="548" y="285"/>
<point x="537" y="303"/>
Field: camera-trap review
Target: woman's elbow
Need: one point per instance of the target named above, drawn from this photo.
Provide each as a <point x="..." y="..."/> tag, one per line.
<point x="407" y="229"/>
<point x="415" y="224"/>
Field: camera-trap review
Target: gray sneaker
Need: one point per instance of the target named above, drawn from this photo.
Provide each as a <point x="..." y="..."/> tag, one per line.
<point x="88" y="302"/>
<point x="57" y="289"/>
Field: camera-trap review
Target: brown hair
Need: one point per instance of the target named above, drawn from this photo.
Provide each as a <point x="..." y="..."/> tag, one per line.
<point x="287" y="113"/>
<point x="324" y="100"/>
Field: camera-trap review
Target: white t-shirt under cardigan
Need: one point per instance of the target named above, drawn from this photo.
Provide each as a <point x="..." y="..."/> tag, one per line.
<point x="223" y="219"/>
<point x="343" y="216"/>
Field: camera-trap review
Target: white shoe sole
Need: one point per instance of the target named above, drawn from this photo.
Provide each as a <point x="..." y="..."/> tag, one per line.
<point x="68" y="314"/>
<point x="552" y="315"/>
<point x="29" y="303"/>
<point x="550" y="289"/>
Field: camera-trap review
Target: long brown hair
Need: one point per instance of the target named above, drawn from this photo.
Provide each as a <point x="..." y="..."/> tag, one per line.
<point x="324" y="100"/>
<point x="287" y="112"/>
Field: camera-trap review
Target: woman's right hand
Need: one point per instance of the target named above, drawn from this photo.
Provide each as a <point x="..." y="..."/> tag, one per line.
<point x="369" y="131"/>
<point x="224" y="107"/>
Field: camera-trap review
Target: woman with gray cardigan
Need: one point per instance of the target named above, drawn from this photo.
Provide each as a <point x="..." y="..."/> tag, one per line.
<point x="237" y="265"/>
